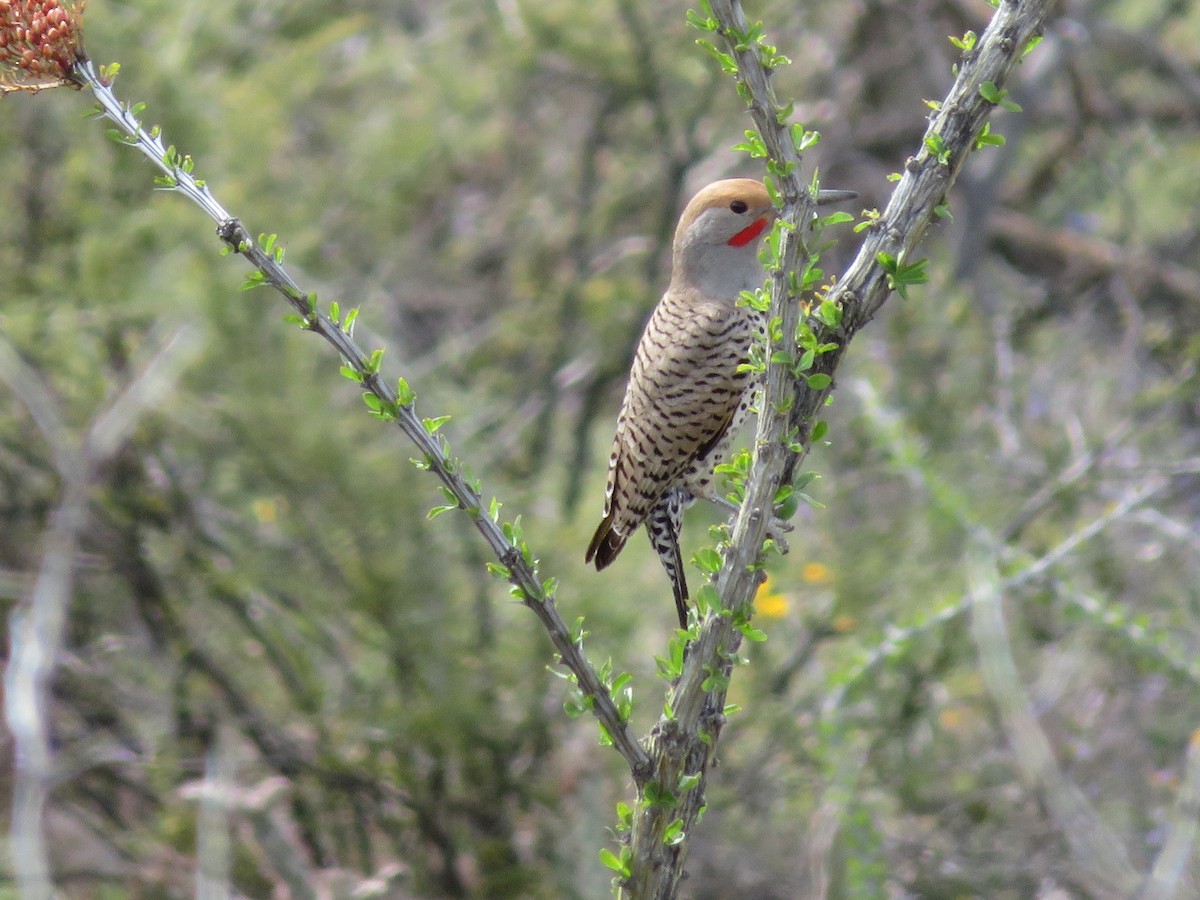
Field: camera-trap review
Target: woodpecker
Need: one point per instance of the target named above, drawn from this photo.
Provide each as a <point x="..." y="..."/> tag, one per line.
<point x="686" y="396"/>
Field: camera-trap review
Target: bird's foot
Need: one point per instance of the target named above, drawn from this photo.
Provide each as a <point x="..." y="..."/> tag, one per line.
<point x="776" y="527"/>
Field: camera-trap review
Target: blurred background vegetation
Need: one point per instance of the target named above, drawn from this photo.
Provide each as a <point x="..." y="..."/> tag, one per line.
<point x="261" y="597"/>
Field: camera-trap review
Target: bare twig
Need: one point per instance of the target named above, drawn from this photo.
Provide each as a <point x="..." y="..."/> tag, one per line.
<point x="1087" y="255"/>
<point x="212" y="820"/>
<point x="259" y="805"/>
<point x="953" y="505"/>
<point x="1169" y="876"/>
<point x="1100" y="858"/>
<point x="37" y="626"/>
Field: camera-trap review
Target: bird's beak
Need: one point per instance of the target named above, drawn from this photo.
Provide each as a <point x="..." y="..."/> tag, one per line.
<point x="826" y="197"/>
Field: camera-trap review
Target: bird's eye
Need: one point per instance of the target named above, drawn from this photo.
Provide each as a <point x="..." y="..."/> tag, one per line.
<point x="739" y="206"/>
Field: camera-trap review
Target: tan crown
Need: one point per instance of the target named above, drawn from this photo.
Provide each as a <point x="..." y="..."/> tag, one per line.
<point x="722" y="193"/>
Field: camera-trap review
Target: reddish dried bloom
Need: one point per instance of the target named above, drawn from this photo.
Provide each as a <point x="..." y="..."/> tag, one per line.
<point x="40" y="42"/>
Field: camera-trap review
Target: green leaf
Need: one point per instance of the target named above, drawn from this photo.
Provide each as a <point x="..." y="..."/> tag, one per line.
<point x="751" y="633"/>
<point x="614" y="862"/>
<point x="703" y="23"/>
<point x="987" y="139"/>
<point x="818" y="381"/>
<point x="578" y="633"/>
<point x="671" y="667"/>
<point x="802" y="139"/>
<point x="707" y="599"/>
<point x="657" y="796"/>
<point x="708" y="560"/>
<point x="727" y="63"/>
<point x="936" y="145"/>
<point x="404" y="394"/>
<point x="253" y="280"/>
<point x="753" y="145"/>
<point x="837" y="218"/>
<point x="966" y="42"/>
<point x="379" y="407"/>
<point x="993" y="94"/>
<point x="433" y="423"/>
<point x="829" y="313"/>
<point x="901" y="276"/>
<point x="714" y="681"/>
<point x="674" y="834"/>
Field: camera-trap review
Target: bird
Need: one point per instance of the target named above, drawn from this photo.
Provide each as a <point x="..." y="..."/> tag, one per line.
<point x="688" y="389"/>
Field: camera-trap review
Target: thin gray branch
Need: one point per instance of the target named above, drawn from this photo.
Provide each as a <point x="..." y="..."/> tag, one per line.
<point x="1169" y="876"/>
<point x="902" y="445"/>
<point x="213" y="846"/>
<point x="36" y="627"/>
<point x="42" y="407"/>
<point x="145" y="392"/>
<point x="1100" y="859"/>
<point x="260" y="806"/>
<point x="36" y="632"/>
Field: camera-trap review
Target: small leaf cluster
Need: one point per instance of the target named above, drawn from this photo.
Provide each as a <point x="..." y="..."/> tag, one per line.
<point x="756" y="147"/>
<point x="810" y="344"/>
<point x="172" y="159"/>
<point x="654" y="796"/>
<point x="936" y="145"/>
<point x="269" y="244"/>
<point x="618" y="685"/>
<point x="753" y="38"/>
<point x="901" y="275"/>
<point x="518" y="552"/>
<point x="670" y="667"/>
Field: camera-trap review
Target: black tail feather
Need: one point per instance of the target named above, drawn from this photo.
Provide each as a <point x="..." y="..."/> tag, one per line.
<point x="663" y="525"/>
<point x="606" y="544"/>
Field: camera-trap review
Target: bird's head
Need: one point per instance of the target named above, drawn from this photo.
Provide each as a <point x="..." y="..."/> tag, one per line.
<point x="716" y="241"/>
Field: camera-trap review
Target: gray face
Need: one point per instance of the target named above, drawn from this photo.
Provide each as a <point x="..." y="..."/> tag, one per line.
<point x="705" y="260"/>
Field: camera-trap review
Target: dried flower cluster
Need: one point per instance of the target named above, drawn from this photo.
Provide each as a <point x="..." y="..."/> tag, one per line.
<point x="40" y="43"/>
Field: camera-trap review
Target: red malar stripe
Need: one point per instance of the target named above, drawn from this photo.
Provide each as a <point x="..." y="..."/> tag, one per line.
<point x="747" y="234"/>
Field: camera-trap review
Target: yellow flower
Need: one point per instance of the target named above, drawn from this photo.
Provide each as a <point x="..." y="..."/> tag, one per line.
<point x="265" y="510"/>
<point x="769" y="602"/>
<point x="816" y="573"/>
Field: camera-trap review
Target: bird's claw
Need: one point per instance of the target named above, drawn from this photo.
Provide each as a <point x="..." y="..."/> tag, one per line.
<point x="776" y="527"/>
<point x="775" y="532"/>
